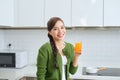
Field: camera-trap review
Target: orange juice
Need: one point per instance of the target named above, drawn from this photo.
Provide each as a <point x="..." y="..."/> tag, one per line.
<point x="78" y="47"/>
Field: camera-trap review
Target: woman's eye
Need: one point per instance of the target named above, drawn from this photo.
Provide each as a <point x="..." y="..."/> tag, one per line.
<point x="54" y="29"/>
<point x="62" y="27"/>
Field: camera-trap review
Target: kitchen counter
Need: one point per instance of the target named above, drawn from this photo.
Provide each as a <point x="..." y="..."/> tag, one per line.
<point x="107" y="72"/>
<point x="16" y="74"/>
<point x="30" y="71"/>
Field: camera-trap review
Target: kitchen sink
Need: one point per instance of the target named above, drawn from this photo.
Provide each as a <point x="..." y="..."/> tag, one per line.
<point x="28" y="78"/>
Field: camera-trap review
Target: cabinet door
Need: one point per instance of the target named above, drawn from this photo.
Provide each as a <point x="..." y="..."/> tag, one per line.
<point x="58" y="8"/>
<point x="6" y="12"/>
<point x="112" y="13"/>
<point x="87" y="13"/>
<point x="29" y="13"/>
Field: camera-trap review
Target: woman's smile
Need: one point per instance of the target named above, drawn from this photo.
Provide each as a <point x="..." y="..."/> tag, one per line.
<point x="58" y="32"/>
<point x="60" y="35"/>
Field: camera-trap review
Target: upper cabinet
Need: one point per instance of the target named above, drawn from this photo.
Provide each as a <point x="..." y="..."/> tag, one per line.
<point x="29" y="13"/>
<point x="6" y="12"/>
<point x="87" y="13"/>
<point x="58" y="8"/>
<point x="83" y="13"/>
<point x="112" y="13"/>
<point x="22" y="13"/>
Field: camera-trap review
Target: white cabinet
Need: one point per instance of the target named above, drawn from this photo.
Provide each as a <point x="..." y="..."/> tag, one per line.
<point x="6" y="12"/>
<point x="22" y="13"/>
<point x="59" y="8"/>
<point x="29" y="13"/>
<point x="36" y="13"/>
<point x="112" y="13"/>
<point x="87" y="13"/>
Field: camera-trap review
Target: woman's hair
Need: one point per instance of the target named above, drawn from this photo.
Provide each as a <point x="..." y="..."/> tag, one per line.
<point x="51" y="23"/>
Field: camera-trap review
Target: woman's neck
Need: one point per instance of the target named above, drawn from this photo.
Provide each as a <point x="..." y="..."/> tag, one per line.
<point x="60" y="46"/>
<point x="59" y="43"/>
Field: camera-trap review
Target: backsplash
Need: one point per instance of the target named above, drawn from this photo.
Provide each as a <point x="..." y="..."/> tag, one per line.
<point x="100" y="47"/>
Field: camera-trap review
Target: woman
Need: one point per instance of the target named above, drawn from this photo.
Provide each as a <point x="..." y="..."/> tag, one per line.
<point x="56" y="58"/>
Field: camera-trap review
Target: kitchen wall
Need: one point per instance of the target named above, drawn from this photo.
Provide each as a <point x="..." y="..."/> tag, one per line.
<point x="1" y="39"/>
<point x="101" y="47"/>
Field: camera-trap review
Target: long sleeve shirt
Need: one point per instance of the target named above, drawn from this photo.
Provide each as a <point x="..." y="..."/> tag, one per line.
<point x="45" y="63"/>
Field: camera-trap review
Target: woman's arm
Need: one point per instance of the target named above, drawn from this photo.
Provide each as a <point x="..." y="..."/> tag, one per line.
<point x="76" y="57"/>
<point x="41" y="63"/>
<point x="74" y="61"/>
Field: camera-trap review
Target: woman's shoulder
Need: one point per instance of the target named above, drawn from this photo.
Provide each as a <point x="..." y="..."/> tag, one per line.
<point x="68" y="44"/>
<point x="45" y="45"/>
<point x="44" y="49"/>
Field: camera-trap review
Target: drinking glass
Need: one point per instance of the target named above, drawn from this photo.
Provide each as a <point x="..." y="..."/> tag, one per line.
<point x="78" y="47"/>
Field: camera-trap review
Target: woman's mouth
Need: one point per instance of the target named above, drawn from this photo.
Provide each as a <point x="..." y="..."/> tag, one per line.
<point x="61" y="35"/>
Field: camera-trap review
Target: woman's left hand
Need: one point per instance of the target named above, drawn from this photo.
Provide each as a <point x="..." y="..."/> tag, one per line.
<point x="76" y="58"/>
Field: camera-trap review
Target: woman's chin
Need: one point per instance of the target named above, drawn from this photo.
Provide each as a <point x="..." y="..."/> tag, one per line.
<point x="60" y="39"/>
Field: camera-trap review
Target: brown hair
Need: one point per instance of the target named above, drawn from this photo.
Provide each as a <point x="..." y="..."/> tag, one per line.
<point x="51" y="23"/>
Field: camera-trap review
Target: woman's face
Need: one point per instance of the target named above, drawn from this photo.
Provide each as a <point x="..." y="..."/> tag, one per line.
<point x="58" y="31"/>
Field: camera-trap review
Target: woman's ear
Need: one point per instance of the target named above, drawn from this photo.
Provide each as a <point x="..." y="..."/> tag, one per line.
<point x="49" y="33"/>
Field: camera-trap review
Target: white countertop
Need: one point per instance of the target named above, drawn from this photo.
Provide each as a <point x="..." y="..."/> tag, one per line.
<point x="16" y="74"/>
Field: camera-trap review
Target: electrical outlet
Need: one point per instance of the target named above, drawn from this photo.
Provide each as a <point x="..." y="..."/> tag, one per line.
<point x="9" y="45"/>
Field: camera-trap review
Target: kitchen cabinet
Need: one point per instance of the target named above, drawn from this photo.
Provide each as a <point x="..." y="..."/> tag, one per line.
<point x="58" y="8"/>
<point x="6" y="13"/>
<point x="112" y="13"/>
<point x="29" y="13"/>
<point x="75" y="13"/>
<point x="22" y="13"/>
<point x="87" y="13"/>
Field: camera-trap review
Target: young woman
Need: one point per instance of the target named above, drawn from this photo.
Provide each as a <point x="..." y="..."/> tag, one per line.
<point x="56" y="58"/>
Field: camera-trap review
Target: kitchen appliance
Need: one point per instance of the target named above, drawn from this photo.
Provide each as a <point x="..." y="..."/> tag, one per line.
<point x="13" y="59"/>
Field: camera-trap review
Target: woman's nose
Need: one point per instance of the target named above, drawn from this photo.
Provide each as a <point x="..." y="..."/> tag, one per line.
<point x="60" y="30"/>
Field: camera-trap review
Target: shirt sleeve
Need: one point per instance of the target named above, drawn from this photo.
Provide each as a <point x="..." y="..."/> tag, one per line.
<point x="41" y="63"/>
<point x="72" y="69"/>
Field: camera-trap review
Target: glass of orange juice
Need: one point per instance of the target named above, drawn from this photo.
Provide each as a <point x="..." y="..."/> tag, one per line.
<point x="78" y="47"/>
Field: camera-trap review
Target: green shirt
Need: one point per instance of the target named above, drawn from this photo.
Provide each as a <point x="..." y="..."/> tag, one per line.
<point x="46" y="65"/>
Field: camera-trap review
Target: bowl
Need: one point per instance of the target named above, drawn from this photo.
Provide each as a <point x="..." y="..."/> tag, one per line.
<point x="92" y="70"/>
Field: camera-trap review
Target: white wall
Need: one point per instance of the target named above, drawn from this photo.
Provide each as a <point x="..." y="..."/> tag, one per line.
<point x="1" y="39"/>
<point x="100" y="47"/>
<point x="29" y="40"/>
